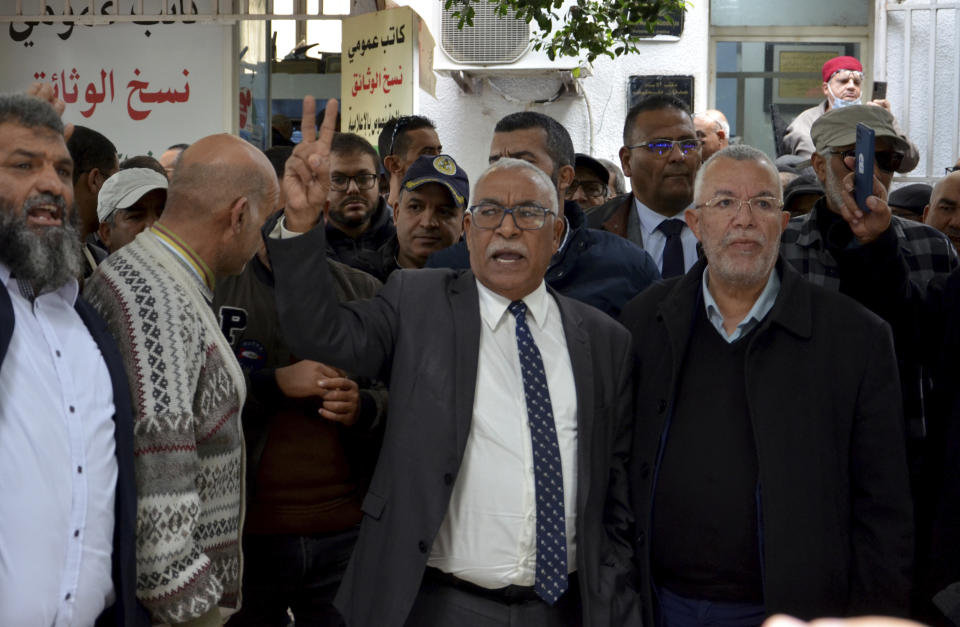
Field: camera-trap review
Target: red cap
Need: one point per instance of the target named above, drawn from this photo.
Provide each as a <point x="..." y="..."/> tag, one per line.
<point x="836" y="64"/>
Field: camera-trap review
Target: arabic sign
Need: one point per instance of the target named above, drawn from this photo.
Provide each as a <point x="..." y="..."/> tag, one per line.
<point x="642" y="86"/>
<point x="22" y="32"/>
<point x="377" y="76"/>
<point x="142" y="93"/>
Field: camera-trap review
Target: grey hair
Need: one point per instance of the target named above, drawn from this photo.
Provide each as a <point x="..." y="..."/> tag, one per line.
<point x="619" y="183"/>
<point x="29" y="112"/>
<point x="541" y="177"/>
<point x="710" y="116"/>
<point x="738" y="152"/>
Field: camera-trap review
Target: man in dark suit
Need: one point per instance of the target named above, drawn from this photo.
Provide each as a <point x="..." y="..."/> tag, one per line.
<point x="768" y="471"/>
<point x="499" y="496"/>
<point x="661" y="154"/>
<point x="67" y="506"/>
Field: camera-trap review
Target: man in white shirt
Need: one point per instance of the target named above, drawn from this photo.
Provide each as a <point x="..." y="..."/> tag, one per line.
<point x="67" y="501"/>
<point x="498" y="495"/>
<point x="661" y="154"/>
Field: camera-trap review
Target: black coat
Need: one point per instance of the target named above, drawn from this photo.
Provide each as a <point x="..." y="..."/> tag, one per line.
<point x="422" y="334"/>
<point x="126" y="610"/>
<point x="824" y="402"/>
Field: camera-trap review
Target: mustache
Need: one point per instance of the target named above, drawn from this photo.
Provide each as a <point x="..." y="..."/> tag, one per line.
<point x="45" y="199"/>
<point x="733" y="236"/>
<point x="352" y="199"/>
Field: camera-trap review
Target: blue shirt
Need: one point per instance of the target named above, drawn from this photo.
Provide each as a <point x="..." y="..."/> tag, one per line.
<point x="757" y="313"/>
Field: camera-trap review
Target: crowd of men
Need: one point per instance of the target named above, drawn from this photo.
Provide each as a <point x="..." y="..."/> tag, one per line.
<point x="339" y="384"/>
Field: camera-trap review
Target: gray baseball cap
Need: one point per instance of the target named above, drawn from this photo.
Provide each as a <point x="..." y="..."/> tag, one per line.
<point x="125" y="188"/>
<point x="838" y="127"/>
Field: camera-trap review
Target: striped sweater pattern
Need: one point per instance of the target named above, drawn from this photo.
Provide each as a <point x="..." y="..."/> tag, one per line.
<point x="188" y="390"/>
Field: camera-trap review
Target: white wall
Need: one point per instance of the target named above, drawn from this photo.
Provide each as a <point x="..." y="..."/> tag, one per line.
<point x="922" y="87"/>
<point x="594" y="119"/>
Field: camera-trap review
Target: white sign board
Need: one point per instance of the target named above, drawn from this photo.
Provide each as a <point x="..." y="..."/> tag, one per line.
<point x="143" y="86"/>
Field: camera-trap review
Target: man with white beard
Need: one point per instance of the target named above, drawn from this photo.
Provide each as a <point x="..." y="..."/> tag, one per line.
<point x="820" y="243"/>
<point x="67" y="498"/>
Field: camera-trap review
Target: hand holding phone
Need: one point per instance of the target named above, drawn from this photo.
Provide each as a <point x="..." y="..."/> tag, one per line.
<point x="863" y="167"/>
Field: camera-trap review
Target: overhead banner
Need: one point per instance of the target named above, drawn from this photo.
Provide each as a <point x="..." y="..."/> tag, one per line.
<point x="377" y="75"/>
<point x="143" y="86"/>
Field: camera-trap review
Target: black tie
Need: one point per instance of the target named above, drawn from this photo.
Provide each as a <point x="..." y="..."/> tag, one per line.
<point x="673" y="250"/>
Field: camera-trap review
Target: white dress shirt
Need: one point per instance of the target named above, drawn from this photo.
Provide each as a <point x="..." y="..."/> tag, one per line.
<point x="654" y="241"/>
<point x="58" y="472"/>
<point x="488" y="536"/>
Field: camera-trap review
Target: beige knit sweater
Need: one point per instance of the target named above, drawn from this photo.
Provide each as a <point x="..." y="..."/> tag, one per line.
<point x="187" y="389"/>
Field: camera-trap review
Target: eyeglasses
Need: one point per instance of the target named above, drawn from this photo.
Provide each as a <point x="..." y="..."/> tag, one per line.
<point x="527" y="217"/>
<point x="340" y="182"/>
<point x="591" y="189"/>
<point x="887" y="160"/>
<point x="403" y="120"/>
<point x="661" y="147"/>
<point x="844" y="76"/>
<point x="731" y="204"/>
<point x="950" y="169"/>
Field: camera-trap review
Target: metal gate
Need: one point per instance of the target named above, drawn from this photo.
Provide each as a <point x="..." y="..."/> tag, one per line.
<point x="917" y="50"/>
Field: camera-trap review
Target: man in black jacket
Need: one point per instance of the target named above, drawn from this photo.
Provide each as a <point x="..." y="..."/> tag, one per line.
<point x="768" y="467"/>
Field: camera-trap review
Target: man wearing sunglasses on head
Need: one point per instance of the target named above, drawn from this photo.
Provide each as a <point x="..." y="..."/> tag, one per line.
<point x="661" y="155"/>
<point x="842" y="86"/>
<point x="402" y="141"/>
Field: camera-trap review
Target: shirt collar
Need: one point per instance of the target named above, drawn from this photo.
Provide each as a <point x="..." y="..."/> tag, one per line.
<point x="650" y="219"/>
<point x="69" y="291"/>
<point x="493" y="306"/>
<point x="175" y="243"/>
<point x="758" y="312"/>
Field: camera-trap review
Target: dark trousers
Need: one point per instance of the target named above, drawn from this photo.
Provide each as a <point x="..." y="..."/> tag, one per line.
<point x="442" y="601"/>
<point x="678" y="611"/>
<point x="299" y="573"/>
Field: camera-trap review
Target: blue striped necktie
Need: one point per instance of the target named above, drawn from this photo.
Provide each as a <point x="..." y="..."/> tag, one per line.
<point x="551" y="577"/>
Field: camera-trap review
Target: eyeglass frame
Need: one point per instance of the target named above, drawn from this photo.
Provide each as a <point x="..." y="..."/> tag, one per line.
<point x="950" y="169"/>
<point x="675" y="144"/>
<point x="355" y="179"/>
<point x="511" y="211"/>
<point x="778" y="204"/>
<point x="576" y="183"/>
<point x="851" y="153"/>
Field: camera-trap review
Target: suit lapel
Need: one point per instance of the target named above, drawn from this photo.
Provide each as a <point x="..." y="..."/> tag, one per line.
<point x="581" y="360"/>
<point x="465" y="303"/>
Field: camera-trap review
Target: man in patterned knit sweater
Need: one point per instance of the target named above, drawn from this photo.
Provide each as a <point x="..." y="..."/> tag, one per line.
<point x="186" y="384"/>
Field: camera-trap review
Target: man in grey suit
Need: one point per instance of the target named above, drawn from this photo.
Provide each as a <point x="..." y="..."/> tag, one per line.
<point x="500" y="496"/>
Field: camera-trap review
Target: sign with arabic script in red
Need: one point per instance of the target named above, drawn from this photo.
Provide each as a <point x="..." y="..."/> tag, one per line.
<point x="143" y="91"/>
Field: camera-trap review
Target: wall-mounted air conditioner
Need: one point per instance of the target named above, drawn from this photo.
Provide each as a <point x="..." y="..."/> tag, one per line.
<point x="492" y="44"/>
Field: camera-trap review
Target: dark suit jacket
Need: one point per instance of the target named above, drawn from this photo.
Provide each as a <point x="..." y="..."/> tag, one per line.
<point x="822" y="389"/>
<point x="422" y="334"/>
<point x="126" y="610"/>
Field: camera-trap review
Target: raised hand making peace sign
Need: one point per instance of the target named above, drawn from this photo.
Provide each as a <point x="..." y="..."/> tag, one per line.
<point x="306" y="176"/>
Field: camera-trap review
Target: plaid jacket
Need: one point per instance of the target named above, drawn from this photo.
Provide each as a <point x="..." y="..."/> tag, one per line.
<point x="927" y="251"/>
